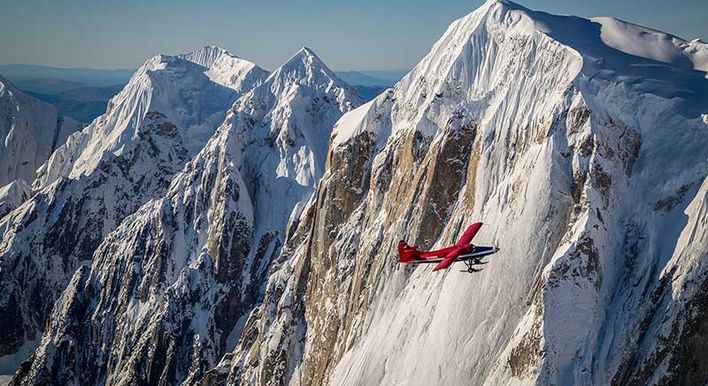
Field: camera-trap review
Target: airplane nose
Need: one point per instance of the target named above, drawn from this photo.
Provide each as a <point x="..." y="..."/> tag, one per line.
<point x="496" y="249"/>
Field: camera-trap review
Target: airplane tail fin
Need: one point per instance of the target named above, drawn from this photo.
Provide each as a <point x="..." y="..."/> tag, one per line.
<point x="406" y="253"/>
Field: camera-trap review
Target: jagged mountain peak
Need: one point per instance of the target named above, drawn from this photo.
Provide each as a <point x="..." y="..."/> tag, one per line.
<point x="306" y="68"/>
<point x="302" y="83"/>
<point x="524" y="107"/>
<point x="306" y="52"/>
<point x="192" y="90"/>
<point x="227" y="69"/>
<point x="218" y="64"/>
<point x="304" y="55"/>
<point x="207" y="56"/>
<point x="593" y="37"/>
<point x="478" y="54"/>
<point x="163" y="117"/>
<point x="303" y="78"/>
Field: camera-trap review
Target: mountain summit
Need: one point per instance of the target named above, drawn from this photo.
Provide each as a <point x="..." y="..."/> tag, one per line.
<point x="210" y="56"/>
<point x="227" y="69"/>
<point x="306" y="66"/>
<point x="193" y="91"/>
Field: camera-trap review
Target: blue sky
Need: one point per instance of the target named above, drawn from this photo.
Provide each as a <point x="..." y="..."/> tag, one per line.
<point x="364" y="34"/>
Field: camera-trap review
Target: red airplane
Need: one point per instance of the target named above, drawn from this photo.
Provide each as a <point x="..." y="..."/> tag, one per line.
<point x="463" y="251"/>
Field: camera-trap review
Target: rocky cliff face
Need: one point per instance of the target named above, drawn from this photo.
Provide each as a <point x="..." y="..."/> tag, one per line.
<point x="168" y="291"/>
<point x="101" y="175"/>
<point x="566" y="147"/>
<point x="30" y="131"/>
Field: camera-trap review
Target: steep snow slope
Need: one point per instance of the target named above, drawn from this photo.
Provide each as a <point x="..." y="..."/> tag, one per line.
<point x="168" y="291"/>
<point x="103" y="174"/>
<point x="586" y="162"/>
<point x="580" y="143"/>
<point x="30" y="131"/>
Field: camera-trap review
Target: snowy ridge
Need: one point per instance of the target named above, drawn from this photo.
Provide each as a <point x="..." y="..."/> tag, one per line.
<point x="210" y="56"/>
<point x="656" y="45"/>
<point x="187" y="268"/>
<point x="304" y="82"/>
<point x="64" y="222"/>
<point x="365" y="119"/>
<point x="226" y="69"/>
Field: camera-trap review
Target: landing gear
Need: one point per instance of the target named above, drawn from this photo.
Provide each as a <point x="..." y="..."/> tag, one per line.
<point x="471" y="263"/>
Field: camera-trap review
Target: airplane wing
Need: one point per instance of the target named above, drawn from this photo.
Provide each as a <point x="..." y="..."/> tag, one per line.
<point x="469" y="234"/>
<point x="449" y="259"/>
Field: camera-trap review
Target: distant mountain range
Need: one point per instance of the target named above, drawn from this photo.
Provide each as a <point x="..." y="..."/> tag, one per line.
<point x="83" y="93"/>
<point x="50" y="80"/>
<point x="372" y="78"/>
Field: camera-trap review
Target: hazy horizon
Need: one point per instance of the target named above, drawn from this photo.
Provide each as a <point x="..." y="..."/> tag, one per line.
<point x="175" y="53"/>
<point x="123" y="35"/>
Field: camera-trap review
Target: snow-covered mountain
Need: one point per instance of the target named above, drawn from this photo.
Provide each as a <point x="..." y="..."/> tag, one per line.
<point x="30" y="131"/>
<point x="580" y="143"/>
<point x="169" y="290"/>
<point x="192" y="90"/>
<point x="100" y="175"/>
<point x="271" y="258"/>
